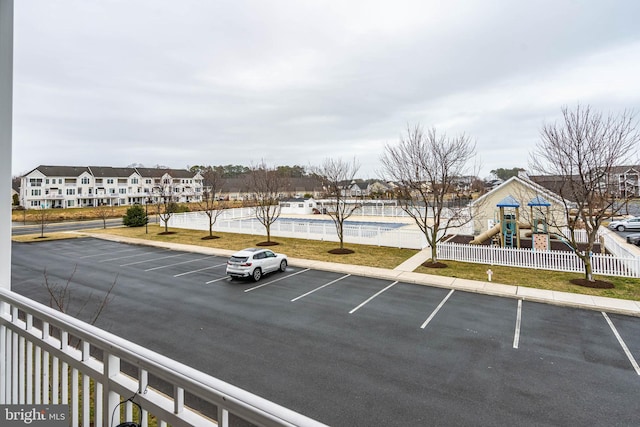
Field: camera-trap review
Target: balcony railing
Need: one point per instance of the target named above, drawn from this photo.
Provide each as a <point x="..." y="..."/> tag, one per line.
<point x="48" y="357"/>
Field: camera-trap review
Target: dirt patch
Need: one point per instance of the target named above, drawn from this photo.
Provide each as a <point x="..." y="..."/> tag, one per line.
<point x="596" y="284"/>
<point x="267" y="244"/>
<point x="166" y="233"/>
<point x="437" y="264"/>
<point x="341" y="251"/>
<point x="210" y="237"/>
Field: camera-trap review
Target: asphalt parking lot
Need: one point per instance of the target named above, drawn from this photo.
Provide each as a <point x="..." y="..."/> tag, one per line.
<point x="354" y="351"/>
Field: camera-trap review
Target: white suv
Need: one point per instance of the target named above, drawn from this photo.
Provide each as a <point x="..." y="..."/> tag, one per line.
<point x="626" y="224"/>
<point x="254" y="263"/>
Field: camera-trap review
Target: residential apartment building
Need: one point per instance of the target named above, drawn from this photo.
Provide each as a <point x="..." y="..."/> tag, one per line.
<point x="48" y="187"/>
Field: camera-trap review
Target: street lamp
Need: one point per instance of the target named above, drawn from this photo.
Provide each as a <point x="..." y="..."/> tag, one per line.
<point x="146" y="214"/>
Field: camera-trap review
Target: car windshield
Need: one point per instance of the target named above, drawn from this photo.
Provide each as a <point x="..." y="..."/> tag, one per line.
<point x="238" y="259"/>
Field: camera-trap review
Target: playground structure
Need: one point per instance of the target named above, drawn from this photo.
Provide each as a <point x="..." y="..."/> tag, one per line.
<point x="539" y="226"/>
<point x="508" y="226"/>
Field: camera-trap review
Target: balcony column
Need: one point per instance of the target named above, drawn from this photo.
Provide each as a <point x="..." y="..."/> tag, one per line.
<point x="6" y="104"/>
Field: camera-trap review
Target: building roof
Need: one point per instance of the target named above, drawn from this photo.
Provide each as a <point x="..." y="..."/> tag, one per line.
<point x="549" y="194"/>
<point x="538" y="201"/>
<point x="110" y="172"/>
<point x="508" y="202"/>
<point x="61" y="171"/>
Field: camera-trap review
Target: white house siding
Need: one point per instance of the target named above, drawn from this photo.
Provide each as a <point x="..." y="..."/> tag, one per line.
<point x="69" y="187"/>
<point x="298" y="206"/>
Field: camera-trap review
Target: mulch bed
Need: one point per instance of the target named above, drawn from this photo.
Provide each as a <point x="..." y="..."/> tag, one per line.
<point x="165" y="233"/>
<point x="210" y="237"/>
<point x="596" y="284"/>
<point x="341" y="251"/>
<point x="267" y="244"/>
<point x="437" y="264"/>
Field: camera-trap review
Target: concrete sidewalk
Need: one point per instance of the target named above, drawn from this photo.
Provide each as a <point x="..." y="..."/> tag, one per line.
<point x="404" y="273"/>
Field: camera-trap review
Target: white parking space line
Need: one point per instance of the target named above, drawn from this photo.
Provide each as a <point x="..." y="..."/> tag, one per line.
<point x="152" y="259"/>
<point x="177" y="263"/>
<point x="372" y="297"/>
<point x="622" y="344"/>
<point x="103" y="253"/>
<point x="426" y="322"/>
<point x="200" y="269"/>
<point x="217" y="280"/>
<point x="516" y="335"/>
<point x="323" y="286"/>
<point x="276" y="280"/>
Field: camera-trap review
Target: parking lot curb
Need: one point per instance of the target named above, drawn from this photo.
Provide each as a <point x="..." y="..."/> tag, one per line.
<point x="567" y="299"/>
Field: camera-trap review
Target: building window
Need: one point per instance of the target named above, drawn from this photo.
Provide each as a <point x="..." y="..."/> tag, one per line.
<point x="148" y="181"/>
<point x="71" y="191"/>
<point x="85" y="180"/>
<point x="46" y="181"/>
<point x="123" y="191"/>
<point x="36" y="192"/>
<point x="109" y="180"/>
<point x="35" y="203"/>
<point x="35" y="182"/>
<point x="70" y="203"/>
<point x="134" y="180"/>
<point x="112" y="191"/>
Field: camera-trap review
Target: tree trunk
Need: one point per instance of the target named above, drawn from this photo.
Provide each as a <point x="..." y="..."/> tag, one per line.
<point x="588" y="269"/>
<point x="434" y="254"/>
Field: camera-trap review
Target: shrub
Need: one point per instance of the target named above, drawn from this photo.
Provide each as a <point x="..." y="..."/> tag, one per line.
<point x="135" y="217"/>
<point x="177" y="208"/>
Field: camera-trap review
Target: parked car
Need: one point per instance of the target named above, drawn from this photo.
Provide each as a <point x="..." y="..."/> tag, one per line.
<point x="254" y="263"/>
<point x="626" y="224"/>
<point x="634" y="239"/>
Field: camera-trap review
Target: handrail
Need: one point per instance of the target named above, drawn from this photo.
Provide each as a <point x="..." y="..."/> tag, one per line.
<point x="225" y="396"/>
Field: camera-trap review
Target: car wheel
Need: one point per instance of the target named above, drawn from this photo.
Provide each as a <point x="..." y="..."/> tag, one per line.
<point x="283" y="265"/>
<point x="620" y="228"/>
<point x="257" y="274"/>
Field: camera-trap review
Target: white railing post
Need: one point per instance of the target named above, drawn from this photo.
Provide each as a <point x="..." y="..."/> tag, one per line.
<point x="110" y="398"/>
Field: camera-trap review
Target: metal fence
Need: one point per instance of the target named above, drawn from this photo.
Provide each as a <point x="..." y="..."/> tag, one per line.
<point x="47" y="357"/>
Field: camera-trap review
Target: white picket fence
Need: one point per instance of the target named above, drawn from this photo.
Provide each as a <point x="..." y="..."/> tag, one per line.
<point x="243" y="221"/>
<point x="603" y="264"/>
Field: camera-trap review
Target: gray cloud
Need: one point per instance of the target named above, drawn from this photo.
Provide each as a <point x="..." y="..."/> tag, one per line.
<point x="153" y="82"/>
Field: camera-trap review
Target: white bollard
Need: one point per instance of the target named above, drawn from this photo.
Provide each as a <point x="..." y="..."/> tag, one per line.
<point x="489" y="274"/>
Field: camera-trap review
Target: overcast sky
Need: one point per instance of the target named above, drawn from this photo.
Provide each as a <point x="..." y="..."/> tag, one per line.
<point x="181" y="83"/>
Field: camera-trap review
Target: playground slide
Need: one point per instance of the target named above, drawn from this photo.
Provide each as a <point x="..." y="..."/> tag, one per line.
<point x="486" y="235"/>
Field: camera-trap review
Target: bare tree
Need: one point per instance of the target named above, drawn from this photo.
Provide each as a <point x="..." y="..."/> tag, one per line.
<point x="60" y="298"/>
<point x="581" y="152"/>
<point x="427" y="168"/>
<point x="211" y="204"/>
<point x="104" y="211"/>
<point x="337" y="176"/>
<point x="44" y="217"/>
<point x="163" y="195"/>
<point x="266" y="185"/>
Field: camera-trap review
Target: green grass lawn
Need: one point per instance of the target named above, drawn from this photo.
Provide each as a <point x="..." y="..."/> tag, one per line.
<point x="374" y="256"/>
